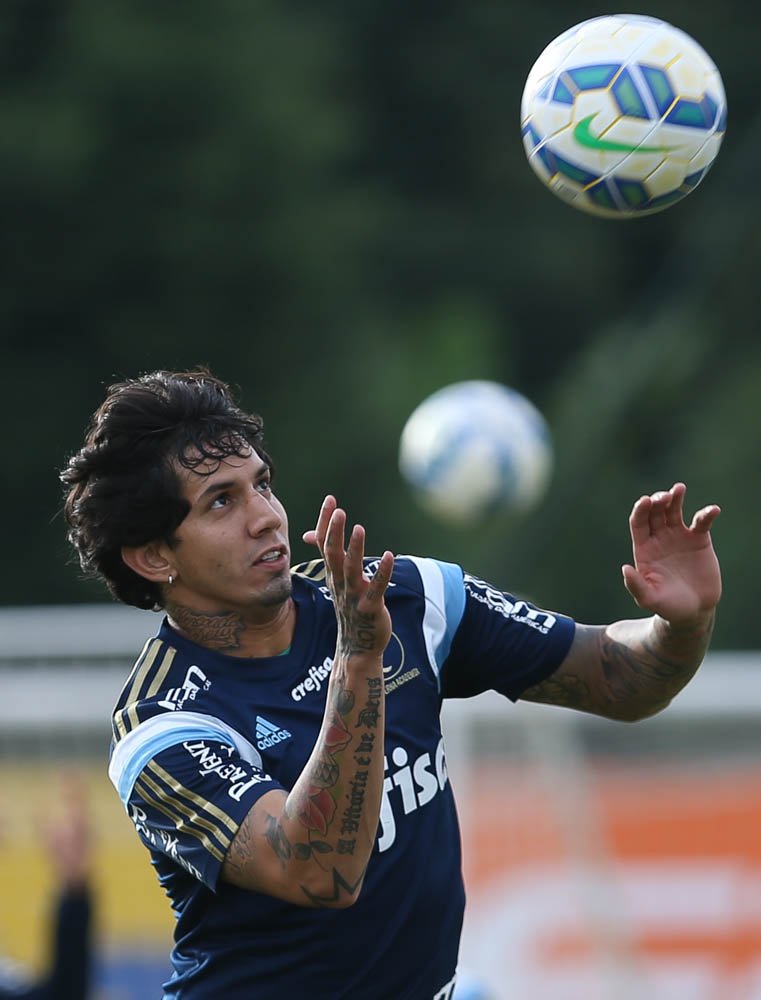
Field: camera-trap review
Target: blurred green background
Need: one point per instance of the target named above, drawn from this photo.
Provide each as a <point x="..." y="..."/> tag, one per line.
<point x="330" y="205"/>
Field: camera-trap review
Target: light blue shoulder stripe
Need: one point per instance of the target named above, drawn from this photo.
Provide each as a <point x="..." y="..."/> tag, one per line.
<point x="144" y="742"/>
<point x="444" y="592"/>
<point x="454" y="598"/>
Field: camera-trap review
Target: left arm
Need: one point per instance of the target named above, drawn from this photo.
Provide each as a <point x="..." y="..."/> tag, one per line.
<point x="632" y="669"/>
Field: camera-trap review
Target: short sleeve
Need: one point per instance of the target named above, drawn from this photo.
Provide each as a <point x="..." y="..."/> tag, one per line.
<point x="503" y="644"/>
<point x="188" y="799"/>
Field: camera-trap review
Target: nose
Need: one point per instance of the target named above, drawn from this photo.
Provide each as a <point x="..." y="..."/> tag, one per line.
<point x="262" y="515"/>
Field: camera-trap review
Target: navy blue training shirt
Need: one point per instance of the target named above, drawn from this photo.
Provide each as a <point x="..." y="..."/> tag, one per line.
<point x="199" y="736"/>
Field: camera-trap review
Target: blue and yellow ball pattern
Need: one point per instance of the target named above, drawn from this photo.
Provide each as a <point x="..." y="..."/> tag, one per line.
<point x="623" y="115"/>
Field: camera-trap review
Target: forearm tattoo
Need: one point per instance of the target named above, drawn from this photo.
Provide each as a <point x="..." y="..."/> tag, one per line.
<point x="241" y="852"/>
<point x="631" y="672"/>
<point x="564" y="689"/>
<point x="615" y="677"/>
<point x="329" y="800"/>
<point x="357" y="630"/>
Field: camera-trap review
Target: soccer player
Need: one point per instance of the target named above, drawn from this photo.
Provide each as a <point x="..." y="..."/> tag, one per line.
<point x="277" y="744"/>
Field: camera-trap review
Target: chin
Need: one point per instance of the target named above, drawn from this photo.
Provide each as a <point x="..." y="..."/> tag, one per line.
<point x="277" y="592"/>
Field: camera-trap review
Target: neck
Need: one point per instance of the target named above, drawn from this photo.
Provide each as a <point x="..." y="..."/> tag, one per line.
<point x="231" y="632"/>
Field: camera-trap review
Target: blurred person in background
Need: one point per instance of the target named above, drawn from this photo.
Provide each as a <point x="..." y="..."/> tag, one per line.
<point x="278" y="743"/>
<point x="67" y="841"/>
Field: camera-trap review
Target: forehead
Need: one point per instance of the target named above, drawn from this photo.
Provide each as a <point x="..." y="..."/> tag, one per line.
<point x="202" y="473"/>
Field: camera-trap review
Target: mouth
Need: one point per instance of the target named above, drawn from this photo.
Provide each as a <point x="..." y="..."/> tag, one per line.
<point x="273" y="557"/>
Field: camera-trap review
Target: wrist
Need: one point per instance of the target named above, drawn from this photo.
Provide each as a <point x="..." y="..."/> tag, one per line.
<point x="696" y="627"/>
<point x="358" y="655"/>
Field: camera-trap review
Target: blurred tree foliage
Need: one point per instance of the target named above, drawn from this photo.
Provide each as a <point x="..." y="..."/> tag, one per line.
<point x="330" y="205"/>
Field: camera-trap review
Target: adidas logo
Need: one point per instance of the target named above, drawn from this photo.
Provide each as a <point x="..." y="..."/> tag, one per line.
<point x="267" y="734"/>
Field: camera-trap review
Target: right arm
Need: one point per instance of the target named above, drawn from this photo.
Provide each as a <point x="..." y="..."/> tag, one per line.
<point x="311" y="846"/>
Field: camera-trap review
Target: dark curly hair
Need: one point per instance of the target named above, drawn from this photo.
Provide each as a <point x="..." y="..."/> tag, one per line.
<point x="123" y="487"/>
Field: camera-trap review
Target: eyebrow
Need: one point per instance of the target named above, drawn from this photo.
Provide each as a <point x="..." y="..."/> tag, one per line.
<point x="225" y="484"/>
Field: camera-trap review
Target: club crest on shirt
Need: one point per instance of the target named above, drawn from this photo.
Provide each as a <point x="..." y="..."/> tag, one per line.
<point x="393" y="658"/>
<point x="394" y="673"/>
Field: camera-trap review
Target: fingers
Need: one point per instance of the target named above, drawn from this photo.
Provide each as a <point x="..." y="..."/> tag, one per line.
<point x="634" y="584"/>
<point x="705" y="517"/>
<point x="665" y="508"/>
<point x="316" y="536"/>
<point x="346" y="565"/>
<point x="659" y="504"/>
<point x="332" y="545"/>
<point x="674" y="511"/>
<point x="639" y="520"/>
<point x="379" y="583"/>
<point x="355" y="551"/>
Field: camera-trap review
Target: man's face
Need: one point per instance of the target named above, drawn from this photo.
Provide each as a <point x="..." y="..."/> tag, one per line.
<point x="231" y="551"/>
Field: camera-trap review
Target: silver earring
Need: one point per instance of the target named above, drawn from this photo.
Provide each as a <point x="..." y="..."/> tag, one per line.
<point x="170" y="581"/>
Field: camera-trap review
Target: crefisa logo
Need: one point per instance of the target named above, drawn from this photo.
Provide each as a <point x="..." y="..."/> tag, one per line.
<point x="393" y="672"/>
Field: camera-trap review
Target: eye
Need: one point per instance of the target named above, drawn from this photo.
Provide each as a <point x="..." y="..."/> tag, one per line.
<point x="219" y="501"/>
<point x="264" y="485"/>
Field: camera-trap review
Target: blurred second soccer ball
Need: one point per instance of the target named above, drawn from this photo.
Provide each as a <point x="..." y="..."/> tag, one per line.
<point x="473" y="448"/>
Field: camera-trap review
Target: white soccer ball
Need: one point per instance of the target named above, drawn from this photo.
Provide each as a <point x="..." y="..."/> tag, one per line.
<point x="623" y="115"/>
<point x="475" y="447"/>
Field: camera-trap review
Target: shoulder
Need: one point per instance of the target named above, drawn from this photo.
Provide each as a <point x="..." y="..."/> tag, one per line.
<point x="175" y="698"/>
<point x="164" y="678"/>
<point x="157" y="660"/>
<point x="313" y="570"/>
<point x="424" y="577"/>
<point x="437" y="580"/>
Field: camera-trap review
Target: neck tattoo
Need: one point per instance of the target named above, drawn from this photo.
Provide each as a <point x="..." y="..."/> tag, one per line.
<point x="221" y="632"/>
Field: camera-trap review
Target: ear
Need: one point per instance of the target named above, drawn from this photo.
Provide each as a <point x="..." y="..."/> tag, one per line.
<point x="150" y="561"/>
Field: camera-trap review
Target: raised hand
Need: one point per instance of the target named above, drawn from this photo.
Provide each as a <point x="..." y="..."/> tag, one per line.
<point x="316" y="535"/>
<point x="676" y="573"/>
<point x="364" y="624"/>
